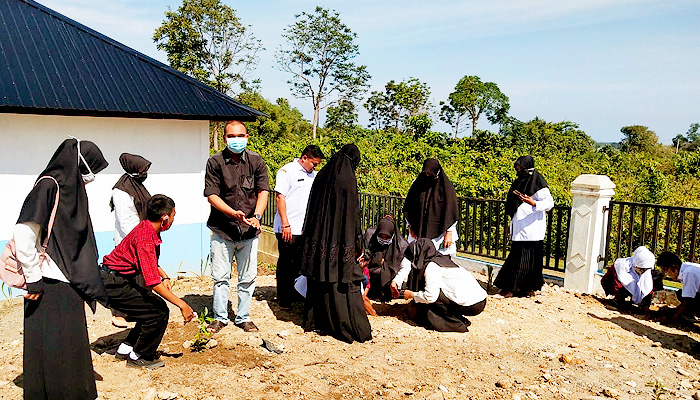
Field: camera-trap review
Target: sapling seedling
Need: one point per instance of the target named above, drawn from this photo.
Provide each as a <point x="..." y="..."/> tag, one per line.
<point x="659" y="389"/>
<point x="203" y="336"/>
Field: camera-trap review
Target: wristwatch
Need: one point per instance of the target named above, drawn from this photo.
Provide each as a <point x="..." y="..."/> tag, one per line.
<point x="258" y="216"/>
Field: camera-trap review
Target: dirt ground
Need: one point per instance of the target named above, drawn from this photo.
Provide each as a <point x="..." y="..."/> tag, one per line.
<point x="556" y="345"/>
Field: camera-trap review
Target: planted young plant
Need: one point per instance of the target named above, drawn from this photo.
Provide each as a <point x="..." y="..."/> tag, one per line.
<point x="203" y="336"/>
<point x="6" y="291"/>
<point x="659" y="389"/>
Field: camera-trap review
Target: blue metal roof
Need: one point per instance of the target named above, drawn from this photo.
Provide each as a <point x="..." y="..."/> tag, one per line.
<point x="50" y="64"/>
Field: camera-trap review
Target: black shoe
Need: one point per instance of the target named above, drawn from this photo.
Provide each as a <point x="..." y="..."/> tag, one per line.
<point x="215" y="326"/>
<point x="145" y="364"/>
<point x="120" y="356"/>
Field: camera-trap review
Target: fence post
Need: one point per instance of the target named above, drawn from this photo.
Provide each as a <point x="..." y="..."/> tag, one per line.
<point x="591" y="196"/>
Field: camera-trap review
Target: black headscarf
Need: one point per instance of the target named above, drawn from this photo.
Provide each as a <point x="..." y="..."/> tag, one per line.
<point x="420" y="253"/>
<point x="332" y="233"/>
<point x="431" y="202"/>
<point x="384" y="260"/>
<point x="131" y="182"/>
<point x="528" y="182"/>
<point x="72" y="244"/>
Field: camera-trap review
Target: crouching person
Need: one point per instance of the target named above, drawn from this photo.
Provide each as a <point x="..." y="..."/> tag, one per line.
<point x="131" y="276"/>
<point x="444" y="293"/>
<point x="633" y="277"/>
<point x="689" y="275"/>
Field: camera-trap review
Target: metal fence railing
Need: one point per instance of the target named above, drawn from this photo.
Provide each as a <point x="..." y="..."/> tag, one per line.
<point x="483" y="229"/>
<point x="660" y="228"/>
<point x="482" y="226"/>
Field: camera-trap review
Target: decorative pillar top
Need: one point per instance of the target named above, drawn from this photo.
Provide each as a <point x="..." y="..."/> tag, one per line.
<point x="593" y="185"/>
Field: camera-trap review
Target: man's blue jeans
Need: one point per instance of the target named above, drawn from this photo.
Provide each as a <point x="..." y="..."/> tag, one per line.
<point x="222" y="252"/>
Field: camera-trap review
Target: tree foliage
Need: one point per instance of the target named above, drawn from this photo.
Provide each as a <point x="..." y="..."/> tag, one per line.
<point x="318" y="53"/>
<point x="206" y="40"/>
<point x="341" y="116"/>
<point x="482" y="165"/>
<point x="398" y="103"/>
<point x="638" y="138"/>
<point x="472" y="98"/>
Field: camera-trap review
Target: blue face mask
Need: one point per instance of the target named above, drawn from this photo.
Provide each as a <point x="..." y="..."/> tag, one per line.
<point x="236" y="144"/>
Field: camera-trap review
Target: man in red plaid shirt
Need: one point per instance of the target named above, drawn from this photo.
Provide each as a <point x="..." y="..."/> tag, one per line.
<point x="131" y="274"/>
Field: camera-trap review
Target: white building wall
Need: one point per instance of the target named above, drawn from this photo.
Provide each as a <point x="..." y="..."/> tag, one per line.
<point x="178" y="150"/>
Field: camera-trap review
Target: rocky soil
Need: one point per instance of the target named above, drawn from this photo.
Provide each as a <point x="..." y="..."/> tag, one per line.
<point x="556" y="345"/>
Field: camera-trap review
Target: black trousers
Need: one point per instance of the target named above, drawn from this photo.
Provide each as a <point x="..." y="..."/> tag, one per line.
<point x="288" y="265"/>
<point x="150" y="312"/>
<point x="57" y="362"/>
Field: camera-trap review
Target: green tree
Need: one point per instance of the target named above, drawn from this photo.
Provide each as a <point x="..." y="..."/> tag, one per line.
<point x="453" y="118"/>
<point x="419" y="124"/>
<point x="472" y="98"/>
<point x="541" y="137"/>
<point x="680" y="142"/>
<point x="638" y="138"/>
<point x="341" y="116"/>
<point x="393" y="108"/>
<point x="693" y="133"/>
<point x="318" y="54"/>
<point x="206" y="40"/>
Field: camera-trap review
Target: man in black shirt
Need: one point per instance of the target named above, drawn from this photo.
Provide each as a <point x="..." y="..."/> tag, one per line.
<point x="236" y="185"/>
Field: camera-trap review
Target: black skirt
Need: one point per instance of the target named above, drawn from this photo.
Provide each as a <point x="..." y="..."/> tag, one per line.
<point x="522" y="271"/>
<point x="57" y="361"/>
<point x="444" y="315"/>
<point x="336" y="309"/>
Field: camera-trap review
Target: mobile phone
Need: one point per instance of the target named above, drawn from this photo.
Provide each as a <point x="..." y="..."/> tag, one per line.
<point x="517" y="193"/>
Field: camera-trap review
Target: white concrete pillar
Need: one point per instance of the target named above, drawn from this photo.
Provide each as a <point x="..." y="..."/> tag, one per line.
<point x="591" y="197"/>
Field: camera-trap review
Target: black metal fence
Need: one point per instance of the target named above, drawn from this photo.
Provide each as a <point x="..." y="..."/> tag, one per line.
<point x="483" y="227"/>
<point x="484" y="230"/>
<point x="660" y="228"/>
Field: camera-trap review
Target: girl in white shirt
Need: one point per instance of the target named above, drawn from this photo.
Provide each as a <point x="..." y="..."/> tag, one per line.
<point x="633" y="276"/>
<point x="129" y="195"/>
<point x="444" y="293"/>
<point x="527" y="204"/>
<point x="129" y="199"/>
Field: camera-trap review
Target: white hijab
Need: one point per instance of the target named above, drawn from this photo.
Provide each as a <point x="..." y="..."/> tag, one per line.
<point x="638" y="285"/>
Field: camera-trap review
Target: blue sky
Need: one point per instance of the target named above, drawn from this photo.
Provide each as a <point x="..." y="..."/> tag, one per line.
<point x="603" y="64"/>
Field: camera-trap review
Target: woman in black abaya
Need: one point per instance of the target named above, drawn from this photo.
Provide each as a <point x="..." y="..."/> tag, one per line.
<point x="332" y="244"/>
<point x="431" y="208"/>
<point x="527" y="203"/>
<point x="385" y="247"/>
<point x="57" y="362"/>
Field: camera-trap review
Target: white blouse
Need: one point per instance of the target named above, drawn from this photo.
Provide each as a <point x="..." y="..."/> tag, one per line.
<point x="125" y="215"/>
<point x="28" y="245"/>
<point x="530" y="222"/>
<point x="457" y="284"/>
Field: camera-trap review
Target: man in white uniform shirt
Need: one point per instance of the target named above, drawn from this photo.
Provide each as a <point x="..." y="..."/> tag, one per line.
<point x="292" y="188"/>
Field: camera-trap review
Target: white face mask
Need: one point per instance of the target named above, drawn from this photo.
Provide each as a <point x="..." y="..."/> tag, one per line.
<point x="384" y="242"/>
<point x="89" y="177"/>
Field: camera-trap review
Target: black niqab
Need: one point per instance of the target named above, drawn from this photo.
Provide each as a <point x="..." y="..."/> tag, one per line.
<point x="528" y="182"/>
<point x="420" y="253"/>
<point x="72" y="244"/>
<point x="431" y="203"/>
<point x="332" y="233"/>
<point x="384" y="260"/>
<point x="131" y="182"/>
